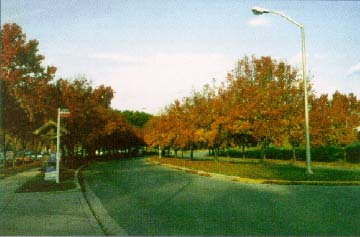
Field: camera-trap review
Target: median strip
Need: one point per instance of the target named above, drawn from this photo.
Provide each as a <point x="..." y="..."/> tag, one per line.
<point x="251" y="180"/>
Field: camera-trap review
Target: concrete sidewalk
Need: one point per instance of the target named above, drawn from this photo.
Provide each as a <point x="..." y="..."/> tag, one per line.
<point x="43" y="213"/>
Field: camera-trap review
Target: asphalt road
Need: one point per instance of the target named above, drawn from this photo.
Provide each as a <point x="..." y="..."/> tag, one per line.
<point x="146" y="199"/>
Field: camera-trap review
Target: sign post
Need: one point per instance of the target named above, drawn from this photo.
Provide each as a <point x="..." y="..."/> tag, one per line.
<point x="62" y="113"/>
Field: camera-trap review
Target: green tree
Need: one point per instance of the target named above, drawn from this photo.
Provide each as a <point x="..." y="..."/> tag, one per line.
<point x="136" y="118"/>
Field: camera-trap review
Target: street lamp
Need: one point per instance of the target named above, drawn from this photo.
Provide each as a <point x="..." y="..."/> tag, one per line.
<point x="259" y="11"/>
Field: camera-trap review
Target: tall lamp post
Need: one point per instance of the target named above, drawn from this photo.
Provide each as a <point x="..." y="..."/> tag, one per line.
<point x="62" y="113"/>
<point x="259" y="11"/>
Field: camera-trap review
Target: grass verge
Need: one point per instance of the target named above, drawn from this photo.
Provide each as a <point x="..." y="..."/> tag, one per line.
<point x="38" y="184"/>
<point x="9" y="171"/>
<point x="264" y="170"/>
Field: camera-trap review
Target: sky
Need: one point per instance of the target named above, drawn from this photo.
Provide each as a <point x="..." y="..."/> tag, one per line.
<point x="152" y="52"/>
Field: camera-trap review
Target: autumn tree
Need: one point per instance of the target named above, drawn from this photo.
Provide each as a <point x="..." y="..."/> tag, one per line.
<point x="23" y="80"/>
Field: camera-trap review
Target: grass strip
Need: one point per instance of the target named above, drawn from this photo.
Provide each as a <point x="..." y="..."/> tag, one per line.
<point x="264" y="170"/>
<point x="10" y="171"/>
<point x="38" y="184"/>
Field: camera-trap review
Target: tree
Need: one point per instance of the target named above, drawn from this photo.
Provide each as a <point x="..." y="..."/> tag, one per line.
<point x="23" y="80"/>
<point x="136" y="118"/>
<point x="22" y="70"/>
<point x="320" y="122"/>
<point x="264" y="97"/>
<point x="345" y="119"/>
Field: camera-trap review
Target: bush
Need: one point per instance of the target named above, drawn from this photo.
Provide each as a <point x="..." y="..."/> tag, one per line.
<point x="236" y="153"/>
<point x="353" y="152"/>
<point x="327" y="153"/>
<point x="253" y="154"/>
<point x="231" y="152"/>
<point x="278" y="153"/>
<point x="300" y="153"/>
<point x="319" y="153"/>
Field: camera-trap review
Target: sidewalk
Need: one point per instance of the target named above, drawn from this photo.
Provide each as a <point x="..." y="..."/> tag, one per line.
<point x="43" y="213"/>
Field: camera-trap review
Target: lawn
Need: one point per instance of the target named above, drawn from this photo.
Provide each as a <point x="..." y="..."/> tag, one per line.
<point x="9" y="171"/>
<point x="270" y="170"/>
<point x="38" y="184"/>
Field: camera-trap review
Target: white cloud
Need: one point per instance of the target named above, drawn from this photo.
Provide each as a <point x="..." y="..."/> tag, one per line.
<point x="259" y="21"/>
<point x="154" y="80"/>
<point x="296" y="59"/>
<point x="116" y="58"/>
<point x="354" y="70"/>
<point x="161" y="78"/>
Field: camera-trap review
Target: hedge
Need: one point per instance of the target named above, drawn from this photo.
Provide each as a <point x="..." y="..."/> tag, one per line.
<point x="353" y="152"/>
<point x="318" y="153"/>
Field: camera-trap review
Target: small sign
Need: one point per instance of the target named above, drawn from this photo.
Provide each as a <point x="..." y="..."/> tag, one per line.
<point x="64" y="113"/>
<point x="50" y="172"/>
<point x="50" y="176"/>
<point x="52" y="157"/>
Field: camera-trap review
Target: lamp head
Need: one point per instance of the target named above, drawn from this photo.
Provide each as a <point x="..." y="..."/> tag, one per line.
<point x="259" y="10"/>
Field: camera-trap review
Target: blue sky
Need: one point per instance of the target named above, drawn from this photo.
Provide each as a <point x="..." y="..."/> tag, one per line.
<point x="154" y="51"/>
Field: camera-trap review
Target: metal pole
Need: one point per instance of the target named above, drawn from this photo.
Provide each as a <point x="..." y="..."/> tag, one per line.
<point x="258" y="11"/>
<point x="307" y="129"/>
<point x="58" y="148"/>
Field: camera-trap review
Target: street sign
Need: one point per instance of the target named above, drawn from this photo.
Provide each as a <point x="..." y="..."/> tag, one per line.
<point x="50" y="176"/>
<point x="64" y="113"/>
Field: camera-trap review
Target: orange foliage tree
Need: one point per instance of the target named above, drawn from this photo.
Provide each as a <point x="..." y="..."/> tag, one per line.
<point x="261" y="102"/>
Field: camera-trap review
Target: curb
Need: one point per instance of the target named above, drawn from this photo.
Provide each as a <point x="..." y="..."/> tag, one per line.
<point x="255" y="181"/>
<point x="108" y="225"/>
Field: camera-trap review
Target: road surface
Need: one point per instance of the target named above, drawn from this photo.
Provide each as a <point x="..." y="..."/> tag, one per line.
<point x="147" y="199"/>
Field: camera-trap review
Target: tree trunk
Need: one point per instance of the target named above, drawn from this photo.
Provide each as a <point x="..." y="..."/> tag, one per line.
<point x="243" y="151"/>
<point x="263" y="153"/>
<point x="263" y="147"/>
<point x="4" y="149"/>
<point x="15" y="151"/>
<point x="23" y="147"/>
<point x="191" y="152"/>
<point x="217" y="150"/>
<point x="294" y="154"/>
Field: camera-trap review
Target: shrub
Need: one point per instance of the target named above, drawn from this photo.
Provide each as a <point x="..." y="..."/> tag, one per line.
<point x="300" y="153"/>
<point x="253" y="154"/>
<point x="353" y="152"/>
<point x="232" y="153"/>
<point x="319" y="153"/>
<point x="327" y="153"/>
<point x="235" y="153"/>
<point x="278" y="153"/>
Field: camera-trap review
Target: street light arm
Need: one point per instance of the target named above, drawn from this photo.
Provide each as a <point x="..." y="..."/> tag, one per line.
<point x="287" y="18"/>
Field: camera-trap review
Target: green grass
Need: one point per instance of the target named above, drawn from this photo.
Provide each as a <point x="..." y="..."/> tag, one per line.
<point x="38" y="184"/>
<point x="269" y="170"/>
<point x="10" y="171"/>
